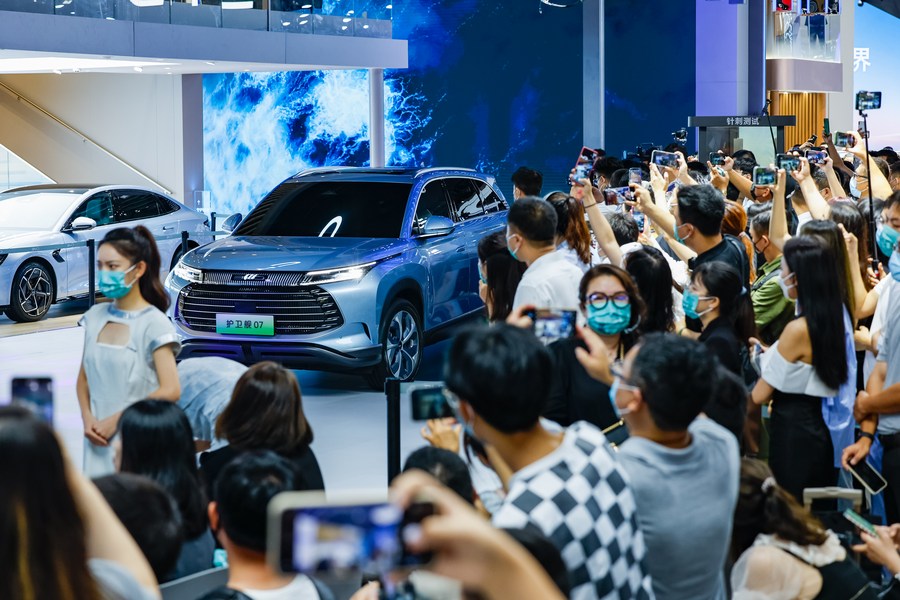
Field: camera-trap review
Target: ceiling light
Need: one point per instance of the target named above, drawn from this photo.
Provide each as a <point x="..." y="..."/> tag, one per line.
<point x="139" y="69"/>
<point x="343" y="28"/>
<point x="347" y="19"/>
<point x="303" y="22"/>
<point x="57" y="71"/>
<point x="365" y="26"/>
<point x="238" y="5"/>
<point x="211" y="63"/>
<point x="390" y="7"/>
<point x="285" y="23"/>
<point x="349" y="12"/>
<point x="147" y="3"/>
<point x="561" y="3"/>
<point x="49" y="64"/>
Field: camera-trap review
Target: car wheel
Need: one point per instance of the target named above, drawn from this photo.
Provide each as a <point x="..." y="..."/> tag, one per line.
<point x="32" y="293"/>
<point x="402" y="344"/>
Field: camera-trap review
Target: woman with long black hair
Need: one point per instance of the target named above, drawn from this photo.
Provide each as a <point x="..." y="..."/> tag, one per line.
<point x="499" y="275"/>
<point x="807" y="364"/>
<point x="718" y="298"/>
<point x="129" y="344"/>
<point x="59" y="539"/>
<point x="155" y="440"/>
<point x="653" y="276"/>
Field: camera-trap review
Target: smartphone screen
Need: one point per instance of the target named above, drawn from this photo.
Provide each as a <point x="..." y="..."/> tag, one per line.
<point x="551" y="325"/>
<point x="764" y="176"/>
<point x="430" y="403"/>
<point x="857" y="520"/>
<point x="868" y="100"/>
<point x="639" y="219"/>
<point x="664" y="159"/>
<point x="868" y="477"/>
<point x="635" y="176"/>
<point x="826" y="126"/>
<point x="788" y="162"/>
<point x="716" y="159"/>
<point x="344" y="539"/>
<point x="35" y="394"/>
<point x="843" y="139"/>
<point x="816" y="157"/>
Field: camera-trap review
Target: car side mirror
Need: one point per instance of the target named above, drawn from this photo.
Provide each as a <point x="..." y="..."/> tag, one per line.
<point x="436" y="226"/>
<point x="232" y="222"/>
<point x="82" y="224"/>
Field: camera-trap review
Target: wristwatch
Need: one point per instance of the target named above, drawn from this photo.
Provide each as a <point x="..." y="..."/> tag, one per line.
<point x="866" y="434"/>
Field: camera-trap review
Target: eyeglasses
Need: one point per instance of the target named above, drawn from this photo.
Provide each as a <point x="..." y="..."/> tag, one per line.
<point x="600" y="300"/>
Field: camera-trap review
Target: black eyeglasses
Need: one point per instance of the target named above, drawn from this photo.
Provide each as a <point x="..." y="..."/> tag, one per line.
<point x="600" y="300"/>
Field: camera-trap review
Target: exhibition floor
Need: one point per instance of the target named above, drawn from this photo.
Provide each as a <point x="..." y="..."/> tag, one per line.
<point x="349" y="420"/>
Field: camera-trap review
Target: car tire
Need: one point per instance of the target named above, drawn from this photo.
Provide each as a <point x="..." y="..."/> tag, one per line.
<point x="402" y="344"/>
<point x="32" y="293"/>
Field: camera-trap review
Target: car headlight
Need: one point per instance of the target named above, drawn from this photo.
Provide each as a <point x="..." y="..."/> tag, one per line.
<point x="353" y="273"/>
<point x="182" y="271"/>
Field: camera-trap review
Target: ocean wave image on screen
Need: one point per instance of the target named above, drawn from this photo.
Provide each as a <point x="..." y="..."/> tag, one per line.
<point x="260" y="128"/>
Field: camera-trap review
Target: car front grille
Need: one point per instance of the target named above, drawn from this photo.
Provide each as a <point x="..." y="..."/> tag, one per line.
<point x="297" y="311"/>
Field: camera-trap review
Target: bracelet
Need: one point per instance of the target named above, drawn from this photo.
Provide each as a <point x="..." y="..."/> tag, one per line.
<point x="589" y="205"/>
<point x="866" y="434"/>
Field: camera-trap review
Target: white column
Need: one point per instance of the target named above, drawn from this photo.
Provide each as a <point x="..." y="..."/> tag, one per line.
<point x="376" y="117"/>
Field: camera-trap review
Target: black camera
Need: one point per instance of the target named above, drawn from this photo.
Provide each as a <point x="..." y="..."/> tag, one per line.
<point x="680" y="135"/>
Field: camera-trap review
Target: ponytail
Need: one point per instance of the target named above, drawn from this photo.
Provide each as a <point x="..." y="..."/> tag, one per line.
<point x="138" y="245"/>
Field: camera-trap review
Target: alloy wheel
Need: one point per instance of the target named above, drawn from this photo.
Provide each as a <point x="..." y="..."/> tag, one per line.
<point x="402" y="345"/>
<point x="35" y="292"/>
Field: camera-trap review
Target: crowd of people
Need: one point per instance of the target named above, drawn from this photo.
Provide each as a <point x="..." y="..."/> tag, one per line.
<point x="736" y="345"/>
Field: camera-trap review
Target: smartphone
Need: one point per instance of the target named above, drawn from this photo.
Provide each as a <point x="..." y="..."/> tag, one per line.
<point x="869" y="478"/>
<point x="816" y="157"/>
<point x="344" y="534"/>
<point x="842" y="139"/>
<point x="584" y="164"/>
<point x="638" y="218"/>
<point x="635" y="176"/>
<point x="764" y="176"/>
<point x="857" y="520"/>
<point x="788" y="162"/>
<point x="716" y="159"/>
<point x="664" y="159"/>
<point x="551" y="325"/>
<point x="826" y="127"/>
<point x="868" y="100"/>
<point x="430" y="403"/>
<point x="35" y="394"/>
<point x="616" y="196"/>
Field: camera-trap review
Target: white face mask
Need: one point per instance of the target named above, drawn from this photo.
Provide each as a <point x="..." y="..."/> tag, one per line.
<point x="785" y="286"/>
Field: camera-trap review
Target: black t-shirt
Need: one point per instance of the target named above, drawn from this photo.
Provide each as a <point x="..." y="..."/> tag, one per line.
<point x="731" y="251"/>
<point x="304" y="461"/>
<point x="720" y="339"/>
<point x="575" y="395"/>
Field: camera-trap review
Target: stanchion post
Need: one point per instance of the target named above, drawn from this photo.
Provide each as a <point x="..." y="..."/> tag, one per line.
<point x="92" y="273"/>
<point x="184" y="242"/>
<point x="392" y="392"/>
<point x="212" y="221"/>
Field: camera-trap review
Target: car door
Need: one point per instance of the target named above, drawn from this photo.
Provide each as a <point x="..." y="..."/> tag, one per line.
<point x="468" y="212"/>
<point x="98" y="207"/>
<point x="445" y="258"/>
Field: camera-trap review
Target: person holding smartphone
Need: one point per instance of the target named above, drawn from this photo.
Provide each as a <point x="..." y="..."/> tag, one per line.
<point x="129" y="344"/>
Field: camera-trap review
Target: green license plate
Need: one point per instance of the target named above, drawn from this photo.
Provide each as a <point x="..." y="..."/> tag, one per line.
<point x="231" y="324"/>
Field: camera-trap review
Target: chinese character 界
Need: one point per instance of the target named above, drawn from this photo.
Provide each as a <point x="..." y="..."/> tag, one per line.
<point x="861" y="59"/>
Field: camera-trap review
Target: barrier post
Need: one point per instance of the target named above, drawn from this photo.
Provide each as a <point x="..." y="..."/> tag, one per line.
<point x="184" y="242"/>
<point x="392" y="392"/>
<point x="212" y="221"/>
<point x="92" y="274"/>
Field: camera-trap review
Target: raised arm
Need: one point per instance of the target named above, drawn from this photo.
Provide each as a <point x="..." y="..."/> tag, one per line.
<point x="778" y="229"/>
<point x="743" y="184"/>
<point x="878" y="183"/>
<point x="834" y="182"/>
<point x="818" y="207"/>
<point x="602" y="230"/>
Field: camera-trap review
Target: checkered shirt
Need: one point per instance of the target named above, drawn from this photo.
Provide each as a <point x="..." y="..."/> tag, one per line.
<point x="579" y="497"/>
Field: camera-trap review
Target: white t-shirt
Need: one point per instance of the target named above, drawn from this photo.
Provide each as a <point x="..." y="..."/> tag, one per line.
<point x="550" y="282"/>
<point x="883" y="289"/>
<point x="301" y="588"/>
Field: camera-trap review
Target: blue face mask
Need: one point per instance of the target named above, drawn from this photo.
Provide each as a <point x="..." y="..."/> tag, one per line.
<point x="854" y="191"/>
<point x="609" y="320"/>
<point x="112" y="283"/>
<point x="678" y="238"/>
<point x="613" y="392"/>
<point x="887" y="238"/>
<point x="894" y="265"/>
<point x="690" y="301"/>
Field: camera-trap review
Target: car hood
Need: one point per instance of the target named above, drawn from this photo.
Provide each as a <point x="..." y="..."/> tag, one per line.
<point x="251" y="253"/>
<point x="17" y="238"/>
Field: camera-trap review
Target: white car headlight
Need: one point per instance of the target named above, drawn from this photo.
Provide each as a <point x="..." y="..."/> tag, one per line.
<point x="182" y="271"/>
<point x="353" y="273"/>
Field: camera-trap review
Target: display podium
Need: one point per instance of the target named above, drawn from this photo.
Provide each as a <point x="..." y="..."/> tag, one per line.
<point x="732" y="133"/>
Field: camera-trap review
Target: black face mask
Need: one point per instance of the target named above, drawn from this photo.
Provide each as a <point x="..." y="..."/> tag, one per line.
<point x="695" y="325"/>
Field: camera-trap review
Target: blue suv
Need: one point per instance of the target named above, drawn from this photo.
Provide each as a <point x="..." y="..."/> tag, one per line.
<point x="349" y="269"/>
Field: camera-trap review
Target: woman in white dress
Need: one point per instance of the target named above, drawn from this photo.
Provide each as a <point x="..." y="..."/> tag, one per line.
<point x="129" y="344"/>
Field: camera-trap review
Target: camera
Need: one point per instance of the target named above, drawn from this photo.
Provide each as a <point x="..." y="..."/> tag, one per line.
<point x="680" y="135"/>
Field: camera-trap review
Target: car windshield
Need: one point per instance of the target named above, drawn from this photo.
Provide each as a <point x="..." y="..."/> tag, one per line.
<point x="351" y="209"/>
<point x="38" y="211"/>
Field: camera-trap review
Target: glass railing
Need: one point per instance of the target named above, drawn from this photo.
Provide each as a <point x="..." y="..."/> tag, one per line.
<point x="15" y="172"/>
<point x="359" y="18"/>
<point x="808" y="36"/>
